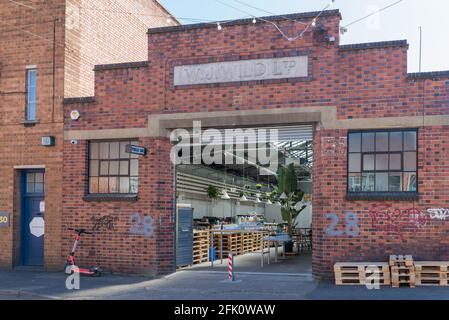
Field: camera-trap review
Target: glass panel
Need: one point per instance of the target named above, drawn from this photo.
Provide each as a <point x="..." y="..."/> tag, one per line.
<point x="103" y="185"/>
<point x="381" y="181"/>
<point x="354" y="162"/>
<point x="409" y="161"/>
<point x="39" y="187"/>
<point x="113" y="168"/>
<point x="410" y="181"/>
<point x="114" y="150"/>
<point x="395" y="161"/>
<point x="368" y="182"/>
<point x="410" y="140"/>
<point x="133" y="185"/>
<point x="381" y="161"/>
<point x="30" y="187"/>
<point x="31" y="94"/>
<point x="395" y="141"/>
<point x="104" y="171"/>
<point x="134" y="168"/>
<point x="395" y="182"/>
<point x="124" y="185"/>
<point x="368" y="162"/>
<point x="368" y="141"/>
<point x="113" y="184"/>
<point x="124" y="168"/>
<point x="93" y="185"/>
<point x="355" y="140"/>
<point x="93" y="150"/>
<point x="31" y="111"/>
<point x="39" y="177"/>
<point x="30" y="177"/>
<point x="354" y="182"/>
<point x="123" y="153"/>
<point x="104" y="150"/>
<point x="93" y="168"/>
<point x="382" y="141"/>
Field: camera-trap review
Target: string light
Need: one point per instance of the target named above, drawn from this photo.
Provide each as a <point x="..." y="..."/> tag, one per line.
<point x="254" y="20"/>
<point x="219" y="26"/>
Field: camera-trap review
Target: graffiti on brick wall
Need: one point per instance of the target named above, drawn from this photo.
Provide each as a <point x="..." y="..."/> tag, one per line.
<point x="104" y="223"/>
<point x="438" y="213"/>
<point x="141" y="225"/>
<point x="351" y="226"/>
<point x="332" y="146"/>
<point x="387" y="219"/>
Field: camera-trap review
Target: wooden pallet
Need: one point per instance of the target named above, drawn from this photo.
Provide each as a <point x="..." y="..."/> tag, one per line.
<point x="201" y="243"/>
<point x="432" y="273"/>
<point x="401" y="260"/>
<point x="361" y="273"/>
<point x="403" y="275"/>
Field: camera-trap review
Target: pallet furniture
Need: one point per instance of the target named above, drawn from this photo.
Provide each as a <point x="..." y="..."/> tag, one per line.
<point x="431" y="273"/>
<point x="402" y="270"/>
<point x="361" y="273"/>
<point x="201" y="239"/>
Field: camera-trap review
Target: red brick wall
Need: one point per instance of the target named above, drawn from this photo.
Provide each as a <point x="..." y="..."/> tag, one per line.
<point x="360" y="83"/>
<point x="20" y="145"/>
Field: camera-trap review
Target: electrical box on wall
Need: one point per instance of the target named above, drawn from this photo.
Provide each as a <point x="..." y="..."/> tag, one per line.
<point x="48" y="141"/>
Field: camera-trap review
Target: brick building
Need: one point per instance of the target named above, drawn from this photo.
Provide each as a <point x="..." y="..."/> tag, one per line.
<point x="48" y="51"/>
<point x="380" y="168"/>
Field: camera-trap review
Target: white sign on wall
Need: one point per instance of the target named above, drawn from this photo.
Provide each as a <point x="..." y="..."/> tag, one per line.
<point x="42" y="206"/>
<point x="37" y="227"/>
<point x="242" y="70"/>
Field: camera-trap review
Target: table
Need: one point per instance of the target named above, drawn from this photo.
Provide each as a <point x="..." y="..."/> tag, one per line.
<point x="276" y="239"/>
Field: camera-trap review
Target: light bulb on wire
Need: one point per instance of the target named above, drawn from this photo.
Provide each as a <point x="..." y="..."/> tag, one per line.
<point x="169" y="20"/>
<point x="254" y="20"/>
<point x="219" y="26"/>
<point x="313" y="22"/>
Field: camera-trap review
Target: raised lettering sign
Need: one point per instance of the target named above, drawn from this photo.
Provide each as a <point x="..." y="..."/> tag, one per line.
<point x="243" y="70"/>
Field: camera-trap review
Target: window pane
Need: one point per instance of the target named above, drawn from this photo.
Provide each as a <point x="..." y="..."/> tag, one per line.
<point x="395" y="141"/>
<point x="395" y="182"/>
<point x="31" y="94"/>
<point x="124" y="168"/>
<point x="381" y="181"/>
<point x="368" y="162"/>
<point x="410" y="140"/>
<point x="113" y="168"/>
<point x="382" y="141"/>
<point x="39" y="177"/>
<point x="93" y="150"/>
<point x="133" y="185"/>
<point x="410" y="181"/>
<point x="124" y="185"/>
<point x="368" y="182"/>
<point x="93" y="168"/>
<point x="354" y="182"/>
<point x="30" y="177"/>
<point x="354" y="162"/>
<point x="134" y="168"/>
<point x="39" y="187"/>
<point x="354" y="142"/>
<point x="381" y="161"/>
<point x="31" y="111"/>
<point x="93" y="185"/>
<point x="123" y="153"/>
<point x="409" y="161"/>
<point x="114" y="150"/>
<point x="104" y="150"/>
<point x="30" y="187"/>
<point x="104" y="170"/>
<point x="113" y="184"/>
<point x="395" y="161"/>
<point x="368" y="141"/>
<point x="103" y="185"/>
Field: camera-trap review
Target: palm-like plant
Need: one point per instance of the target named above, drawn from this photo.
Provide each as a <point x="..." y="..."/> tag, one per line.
<point x="289" y="196"/>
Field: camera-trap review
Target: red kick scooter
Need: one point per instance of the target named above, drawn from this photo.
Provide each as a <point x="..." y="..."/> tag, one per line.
<point x="70" y="266"/>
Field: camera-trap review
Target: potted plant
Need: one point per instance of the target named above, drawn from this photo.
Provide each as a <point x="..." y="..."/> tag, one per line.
<point x="290" y="197"/>
<point x="213" y="192"/>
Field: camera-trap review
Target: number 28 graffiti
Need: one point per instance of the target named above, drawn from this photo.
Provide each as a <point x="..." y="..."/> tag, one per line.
<point x="351" y="223"/>
<point x="141" y="225"/>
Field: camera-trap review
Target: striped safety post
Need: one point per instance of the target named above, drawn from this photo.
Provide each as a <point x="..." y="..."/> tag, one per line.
<point x="231" y="276"/>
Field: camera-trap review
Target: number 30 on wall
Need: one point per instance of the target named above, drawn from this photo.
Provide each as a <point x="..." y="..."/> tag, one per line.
<point x="351" y="224"/>
<point x="4" y="220"/>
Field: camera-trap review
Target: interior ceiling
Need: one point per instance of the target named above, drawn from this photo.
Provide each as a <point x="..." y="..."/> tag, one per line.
<point x="298" y="152"/>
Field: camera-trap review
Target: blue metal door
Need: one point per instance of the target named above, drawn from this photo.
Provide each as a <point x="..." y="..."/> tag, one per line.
<point x="184" y="247"/>
<point x="33" y="218"/>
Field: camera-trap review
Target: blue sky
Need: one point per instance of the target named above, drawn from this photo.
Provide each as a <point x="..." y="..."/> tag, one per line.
<point x="398" y="22"/>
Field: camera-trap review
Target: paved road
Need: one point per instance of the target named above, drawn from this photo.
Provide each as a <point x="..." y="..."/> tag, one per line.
<point x="199" y="285"/>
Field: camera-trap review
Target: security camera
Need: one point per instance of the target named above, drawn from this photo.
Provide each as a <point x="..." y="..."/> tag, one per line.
<point x="74" y="141"/>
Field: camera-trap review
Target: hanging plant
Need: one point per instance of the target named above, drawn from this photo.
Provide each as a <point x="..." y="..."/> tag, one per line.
<point x="258" y="186"/>
<point x="213" y="192"/>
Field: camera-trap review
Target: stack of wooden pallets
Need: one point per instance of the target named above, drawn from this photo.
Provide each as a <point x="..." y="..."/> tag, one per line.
<point x="402" y="270"/>
<point x="201" y="241"/>
<point x="431" y="273"/>
<point x="361" y="273"/>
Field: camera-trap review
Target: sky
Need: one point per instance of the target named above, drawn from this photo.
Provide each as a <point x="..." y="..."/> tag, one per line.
<point x="398" y="22"/>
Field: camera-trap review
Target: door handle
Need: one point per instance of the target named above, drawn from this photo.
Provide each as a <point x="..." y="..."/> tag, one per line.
<point x="185" y="230"/>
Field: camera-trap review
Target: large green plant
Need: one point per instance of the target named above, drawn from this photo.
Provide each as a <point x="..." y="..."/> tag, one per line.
<point x="213" y="192"/>
<point x="289" y="196"/>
